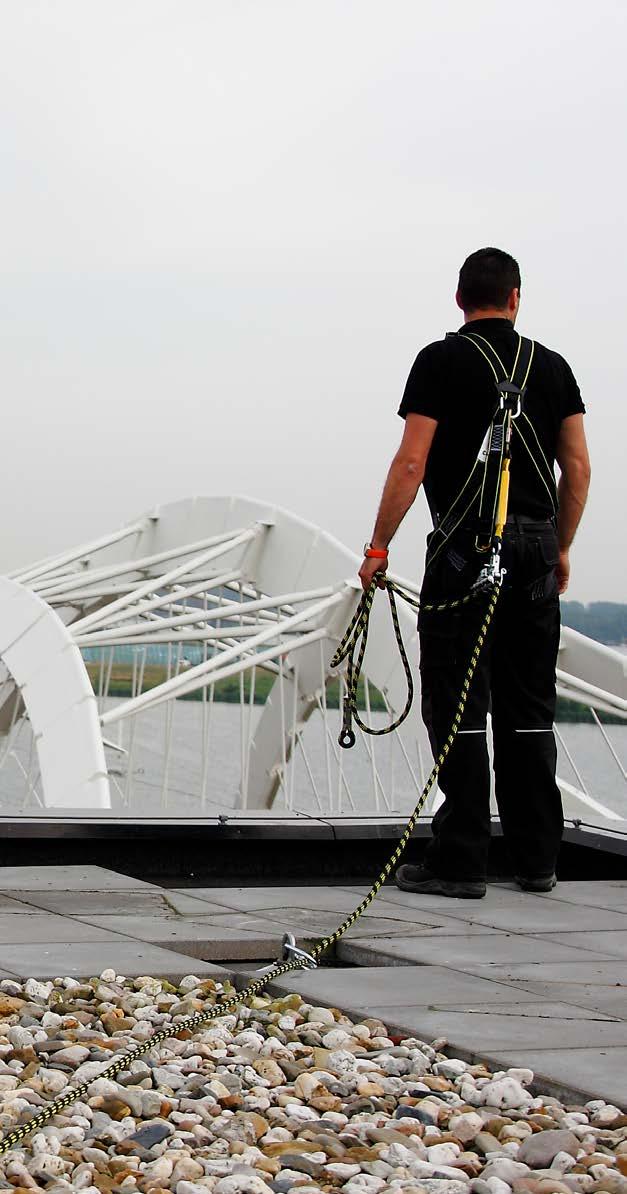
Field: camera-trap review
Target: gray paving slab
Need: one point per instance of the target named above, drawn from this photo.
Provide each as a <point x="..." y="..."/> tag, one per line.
<point x="461" y="952"/>
<point x="85" y="959"/>
<point x="198" y="939"/>
<point x="13" y="907"/>
<point x="530" y="915"/>
<point x="42" y="926"/>
<point x="66" y="878"/>
<point x="309" y="924"/>
<point x="188" y="905"/>
<point x="409" y="986"/>
<point x="594" y="894"/>
<point x="612" y="943"/>
<point x="609" y="1000"/>
<point x="259" y="899"/>
<point x="597" y="1072"/>
<point x="150" y="901"/>
<point x="502" y="1029"/>
<point x="459" y="910"/>
<point x="607" y="971"/>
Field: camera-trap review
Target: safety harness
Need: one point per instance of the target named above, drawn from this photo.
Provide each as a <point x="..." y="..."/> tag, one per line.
<point x="482" y="499"/>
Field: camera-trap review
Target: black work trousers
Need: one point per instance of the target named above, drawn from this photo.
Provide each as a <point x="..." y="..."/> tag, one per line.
<point x="515" y="681"/>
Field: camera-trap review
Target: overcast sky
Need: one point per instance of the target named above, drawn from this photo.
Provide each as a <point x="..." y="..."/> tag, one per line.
<point x="228" y="227"/>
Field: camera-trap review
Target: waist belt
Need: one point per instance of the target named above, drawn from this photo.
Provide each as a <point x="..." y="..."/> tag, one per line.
<point x="524" y="522"/>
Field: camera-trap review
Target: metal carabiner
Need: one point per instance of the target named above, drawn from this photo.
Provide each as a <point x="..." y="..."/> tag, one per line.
<point x="292" y="952"/>
<point x="507" y="393"/>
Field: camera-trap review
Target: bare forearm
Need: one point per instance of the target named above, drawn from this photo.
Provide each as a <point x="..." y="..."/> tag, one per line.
<point x="572" y="492"/>
<point x="400" y="489"/>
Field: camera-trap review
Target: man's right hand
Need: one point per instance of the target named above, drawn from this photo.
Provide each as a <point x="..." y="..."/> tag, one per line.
<point x="562" y="571"/>
<point x="369" y="569"/>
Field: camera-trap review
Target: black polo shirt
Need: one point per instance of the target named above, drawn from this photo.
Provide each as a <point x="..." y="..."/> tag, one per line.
<point x="450" y="381"/>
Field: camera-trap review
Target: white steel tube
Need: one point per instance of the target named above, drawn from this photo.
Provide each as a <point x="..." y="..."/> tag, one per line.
<point x="139" y="565"/>
<point x="610" y="698"/>
<point x="177" y="592"/>
<point x="149" y="586"/>
<point x="162" y="635"/>
<point x="82" y="596"/>
<point x="187" y="683"/>
<point x="199" y="618"/>
<point x="68" y="557"/>
<point x="158" y="694"/>
<point x="608" y="743"/>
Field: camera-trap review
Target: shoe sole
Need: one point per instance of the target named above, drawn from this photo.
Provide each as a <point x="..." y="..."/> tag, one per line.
<point x="456" y="891"/>
<point x="537" y="888"/>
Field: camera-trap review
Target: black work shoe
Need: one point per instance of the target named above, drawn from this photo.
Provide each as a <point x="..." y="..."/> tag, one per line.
<point x="424" y="882"/>
<point x="537" y="883"/>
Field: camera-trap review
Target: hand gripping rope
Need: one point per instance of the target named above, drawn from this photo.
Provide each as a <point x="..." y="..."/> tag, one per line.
<point x="295" y="958"/>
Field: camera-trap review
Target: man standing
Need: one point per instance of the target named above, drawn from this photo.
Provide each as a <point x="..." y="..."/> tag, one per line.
<point x="448" y="405"/>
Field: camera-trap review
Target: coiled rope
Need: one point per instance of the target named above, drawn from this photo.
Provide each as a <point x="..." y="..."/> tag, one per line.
<point x="196" y="1020"/>
<point x="358" y="630"/>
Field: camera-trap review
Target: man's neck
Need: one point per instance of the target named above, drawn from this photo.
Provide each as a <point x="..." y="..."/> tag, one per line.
<point x="489" y="313"/>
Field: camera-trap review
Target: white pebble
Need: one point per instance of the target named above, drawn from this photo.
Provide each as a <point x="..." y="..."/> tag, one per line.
<point x="505" y="1093"/>
<point x="320" y="1015"/>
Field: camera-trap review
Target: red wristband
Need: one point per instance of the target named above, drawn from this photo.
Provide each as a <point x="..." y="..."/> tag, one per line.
<point x="375" y="553"/>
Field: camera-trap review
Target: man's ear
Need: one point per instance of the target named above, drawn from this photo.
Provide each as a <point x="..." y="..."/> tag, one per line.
<point x="513" y="301"/>
<point x="458" y="301"/>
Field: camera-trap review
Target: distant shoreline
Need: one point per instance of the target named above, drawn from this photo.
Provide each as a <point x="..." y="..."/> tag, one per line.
<point x="229" y="691"/>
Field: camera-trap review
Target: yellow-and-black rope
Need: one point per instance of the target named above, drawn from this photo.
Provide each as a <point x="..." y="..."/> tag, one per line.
<point x="189" y="1023"/>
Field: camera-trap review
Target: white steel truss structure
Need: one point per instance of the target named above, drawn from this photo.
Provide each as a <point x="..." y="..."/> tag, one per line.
<point x="180" y="666"/>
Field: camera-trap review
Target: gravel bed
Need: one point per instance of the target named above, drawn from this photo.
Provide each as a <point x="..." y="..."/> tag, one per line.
<point x="281" y="1097"/>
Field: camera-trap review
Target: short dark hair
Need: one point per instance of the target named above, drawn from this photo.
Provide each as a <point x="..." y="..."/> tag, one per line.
<point x="486" y="279"/>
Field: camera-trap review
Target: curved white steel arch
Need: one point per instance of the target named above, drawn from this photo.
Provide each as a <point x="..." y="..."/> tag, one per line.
<point x="50" y="681"/>
<point x="251" y="585"/>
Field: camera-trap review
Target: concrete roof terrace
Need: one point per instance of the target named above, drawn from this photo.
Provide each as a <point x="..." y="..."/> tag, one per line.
<point x="514" y="979"/>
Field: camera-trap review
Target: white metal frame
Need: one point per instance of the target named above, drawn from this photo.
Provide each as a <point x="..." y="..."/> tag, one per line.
<point x="253" y="587"/>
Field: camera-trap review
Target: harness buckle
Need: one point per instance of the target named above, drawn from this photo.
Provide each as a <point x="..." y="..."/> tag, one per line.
<point x="292" y="952"/>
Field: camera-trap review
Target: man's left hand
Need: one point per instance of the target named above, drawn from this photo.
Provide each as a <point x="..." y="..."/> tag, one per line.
<point x="369" y="568"/>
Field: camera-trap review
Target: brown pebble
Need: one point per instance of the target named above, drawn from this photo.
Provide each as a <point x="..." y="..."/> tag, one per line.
<point x="470" y="1164"/>
<point x="541" y="1121"/>
<point x="327" y="1102"/>
<point x="232" y="1102"/>
<point x="496" y="1125"/>
<point x="595" y="1159"/>
<point x="103" y="1182"/>
<point x="258" y="1123"/>
<point x="436" y="1082"/>
<point x="111" y="1106"/>
<point x="278" y="1147"/>
<point x="10" y="1004"/>
<point x="444" y="1138"/>
<point x="28" y="1056"/>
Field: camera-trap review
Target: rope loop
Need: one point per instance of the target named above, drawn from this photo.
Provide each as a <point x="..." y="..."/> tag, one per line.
<point x="354" y="644"/>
